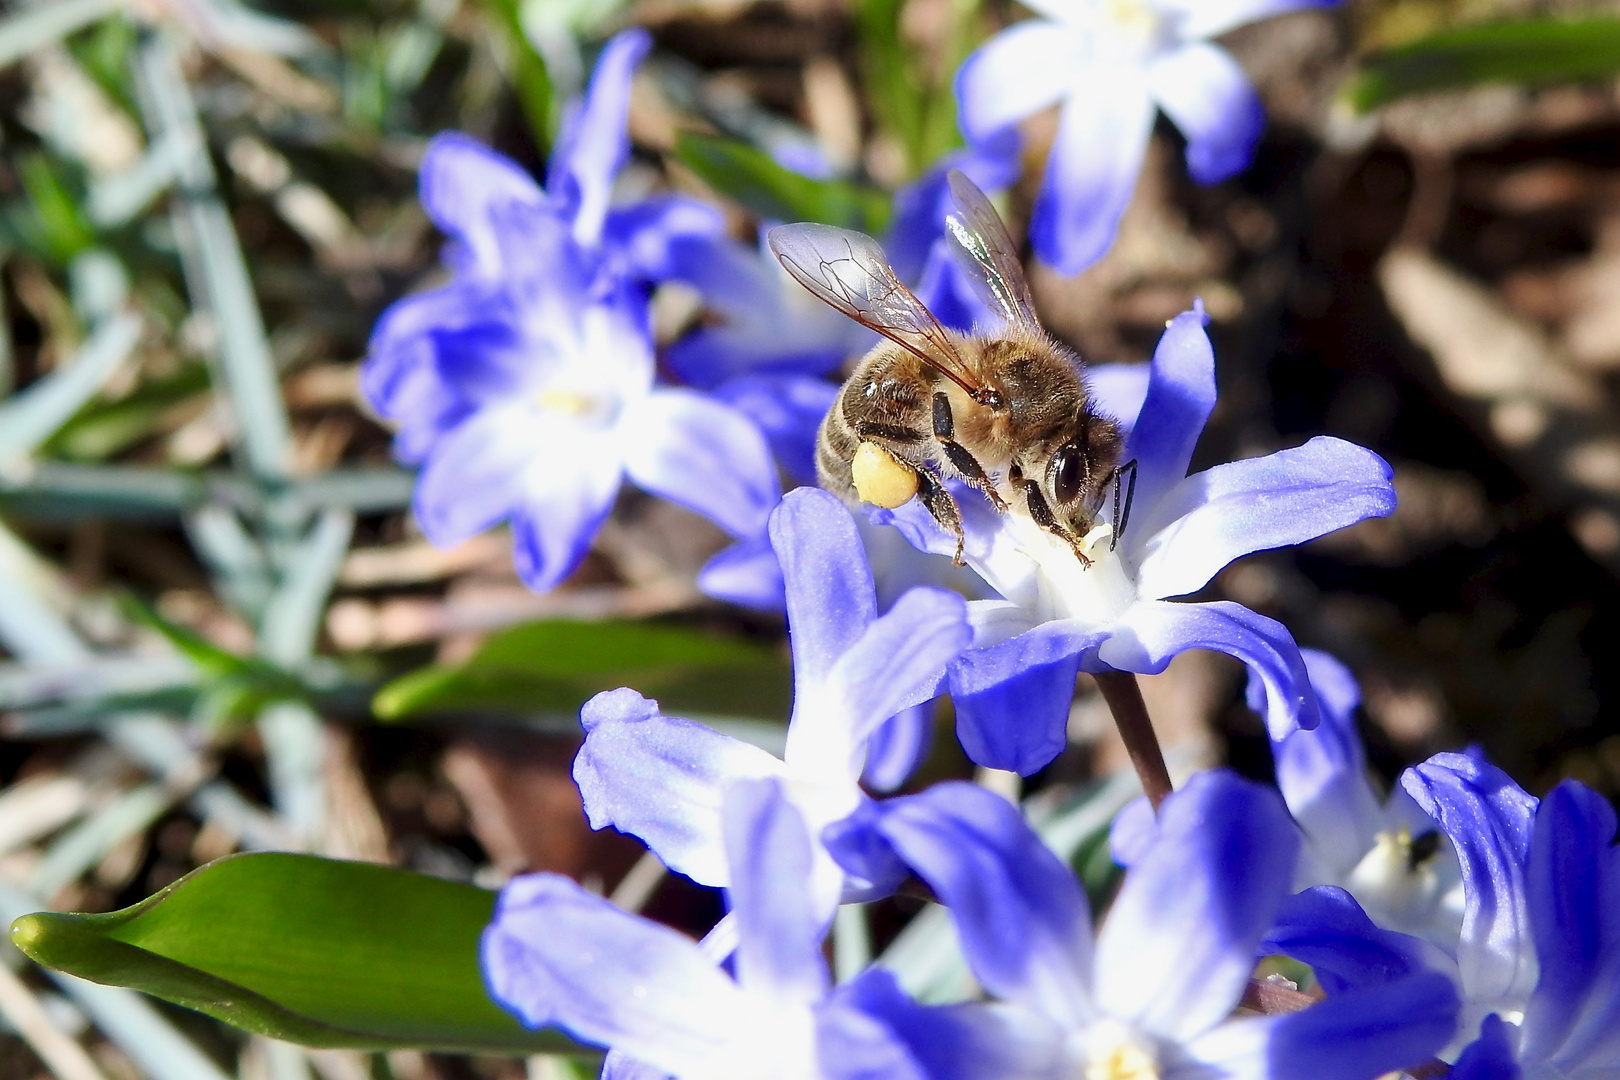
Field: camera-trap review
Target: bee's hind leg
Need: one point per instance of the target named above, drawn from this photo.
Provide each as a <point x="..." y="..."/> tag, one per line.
<point x="939" y="503"/>
<point x="957" y="454"/>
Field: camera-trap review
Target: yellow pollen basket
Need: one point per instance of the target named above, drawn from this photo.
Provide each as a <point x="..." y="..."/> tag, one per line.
<point x="880" y="479"/>
<point x="1124" y="1060"/>
<point x="567" y="402"/>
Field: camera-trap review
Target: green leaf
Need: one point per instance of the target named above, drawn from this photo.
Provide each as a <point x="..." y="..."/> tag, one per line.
<point x="557" y="665"/>
<point x="311" y="950"/>
<point x="52" y="224"/>
<point x="1530" y="52"/>
<point x="760" y="185"/>
<point x="911" y="89"/>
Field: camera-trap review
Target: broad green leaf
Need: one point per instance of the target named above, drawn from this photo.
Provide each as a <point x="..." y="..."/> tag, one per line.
<point x="763" y="187"/>
<point x="1529" y="52"/>
<point x="557" y="665"/>
<point x="311" y="950"/>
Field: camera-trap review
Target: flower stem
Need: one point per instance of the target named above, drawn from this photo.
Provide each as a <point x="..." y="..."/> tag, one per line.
<point x="1124" y="698"/>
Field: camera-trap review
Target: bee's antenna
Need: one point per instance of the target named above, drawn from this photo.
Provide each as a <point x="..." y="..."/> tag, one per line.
<point x="1121" y="519"/>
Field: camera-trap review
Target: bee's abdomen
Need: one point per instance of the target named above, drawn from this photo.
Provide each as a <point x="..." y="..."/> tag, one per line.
<point x="835" y="449"/>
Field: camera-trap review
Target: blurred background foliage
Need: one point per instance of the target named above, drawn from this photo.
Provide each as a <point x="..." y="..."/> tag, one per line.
<point x="221" y="630"/>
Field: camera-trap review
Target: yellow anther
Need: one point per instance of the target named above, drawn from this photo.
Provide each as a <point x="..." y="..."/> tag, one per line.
<point x="567" y="402"/>
<point x="880" y="479"/>
<point x="1123" y="1060"/>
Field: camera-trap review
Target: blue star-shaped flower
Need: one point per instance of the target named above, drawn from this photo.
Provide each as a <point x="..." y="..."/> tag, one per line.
<point x="1153" y="993"/>
<point x="661" y="777"/>
<point x="525" y="387"/>
<point x="1112" y="64"/>
<point x="1058" y="615"/>
<point x="662" y="1004"/>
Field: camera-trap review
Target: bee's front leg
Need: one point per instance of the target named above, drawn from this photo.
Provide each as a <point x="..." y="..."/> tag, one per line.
<point x="1042" y="515"/>
<point x="957" y="454"/>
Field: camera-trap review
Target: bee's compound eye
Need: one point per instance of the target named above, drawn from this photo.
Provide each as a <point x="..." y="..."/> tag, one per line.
<point x="1068" y="471"/>
<point x="880" y="479"/>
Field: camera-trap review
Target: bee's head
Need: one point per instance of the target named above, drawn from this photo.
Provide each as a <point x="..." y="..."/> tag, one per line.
<point x="1080" y="466"/>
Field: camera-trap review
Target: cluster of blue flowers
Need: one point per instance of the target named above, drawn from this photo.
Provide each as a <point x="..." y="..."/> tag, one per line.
<point x="1459" y="919"/>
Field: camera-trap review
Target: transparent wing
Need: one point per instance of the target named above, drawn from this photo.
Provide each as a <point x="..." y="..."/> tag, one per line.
<point x="981" y="245"/>
<point x="849" y="271"/>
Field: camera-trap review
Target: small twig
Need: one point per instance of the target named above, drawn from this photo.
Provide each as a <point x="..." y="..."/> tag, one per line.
<point x="1124" y="698"/>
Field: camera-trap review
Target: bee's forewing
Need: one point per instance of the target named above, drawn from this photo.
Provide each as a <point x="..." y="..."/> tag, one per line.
<point x="849" y="271"/>
<point x="983" y="248"/>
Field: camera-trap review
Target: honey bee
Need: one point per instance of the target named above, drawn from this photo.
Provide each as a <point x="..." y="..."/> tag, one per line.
<point x="1006" y="412"/>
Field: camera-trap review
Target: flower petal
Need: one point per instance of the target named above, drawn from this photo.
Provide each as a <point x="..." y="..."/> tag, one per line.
<point x="1362" y="1034"/>
<point x="646" y="235"/>
<point x="897" y="747"/>
<point x="1118" y="390"/>
<point x="1176" y="950"/>
<point x="1488" y="818"/>
<point x="1020" y="71"/>
<point x="830" y="600"/>
<point x="898" y="661"/>
<point x="1012" y="698"/>
<point x="1574" y="898"/>
<point x="559" y="516"/>
<point x="1023" y="921"/>
<point x="1151" y="632"/>
<point x="469" y="190"/>
<point x="662" y="779"/>
<point x="1180" y="395"/>
<point x="1095" y="160"/>
<point x="1133" y="832"/>
<point x="746" y="574"/>
<point x="617" y="1066"/>
<point x="779" y="930"/>
<point x="852" y="1044"/>
<point x="1325" y="928"/>
<point x="788" y="409"/>
<point x="1492" y="1056"/>
<point x="703" y="455"/>
<point x="1211" y="18"/>
<point x="959" y="1042"/>
<point x="1208" y="96"/>
<point x="921" y="206"/>
<point x="593" y="143"/>
<point x="555" y="954"/>
<point x="1209" y="519"/>
<point x="1323" y="773"/>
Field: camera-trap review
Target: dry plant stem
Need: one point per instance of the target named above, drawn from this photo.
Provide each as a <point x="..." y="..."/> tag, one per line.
<point x="1124" y="698"/>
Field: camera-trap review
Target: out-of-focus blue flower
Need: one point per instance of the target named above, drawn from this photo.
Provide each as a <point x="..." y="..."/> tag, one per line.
<point x="1057" y="616"/>
<point x="1388" y="854"/>
<point x="524" y="388"/>
<point x="1153" y="995"/>
<point x="661" y="1003"/>
<point x="1111" y="64"/>
<point x="1538" y="957"/>
<point x="660" y="777"/>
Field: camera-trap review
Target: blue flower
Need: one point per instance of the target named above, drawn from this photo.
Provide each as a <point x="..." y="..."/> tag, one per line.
<point x="557" y="955"/>
<point x="661" y="777"/>
<point x="524" y="388"/>
<point x="1153" y="994"/>
<point x="1058" y="616"/>
<point x="1537" y="960"/>
<point x="1111" y="64"/>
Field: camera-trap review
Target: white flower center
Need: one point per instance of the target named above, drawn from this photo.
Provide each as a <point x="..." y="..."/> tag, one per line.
<point x="587" y="407"/>
<point x="1110" y="1050"/>
<point x="1068" y="587"/>
<point x="1133" y="24"/>
<point x="1397" y="877"/>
